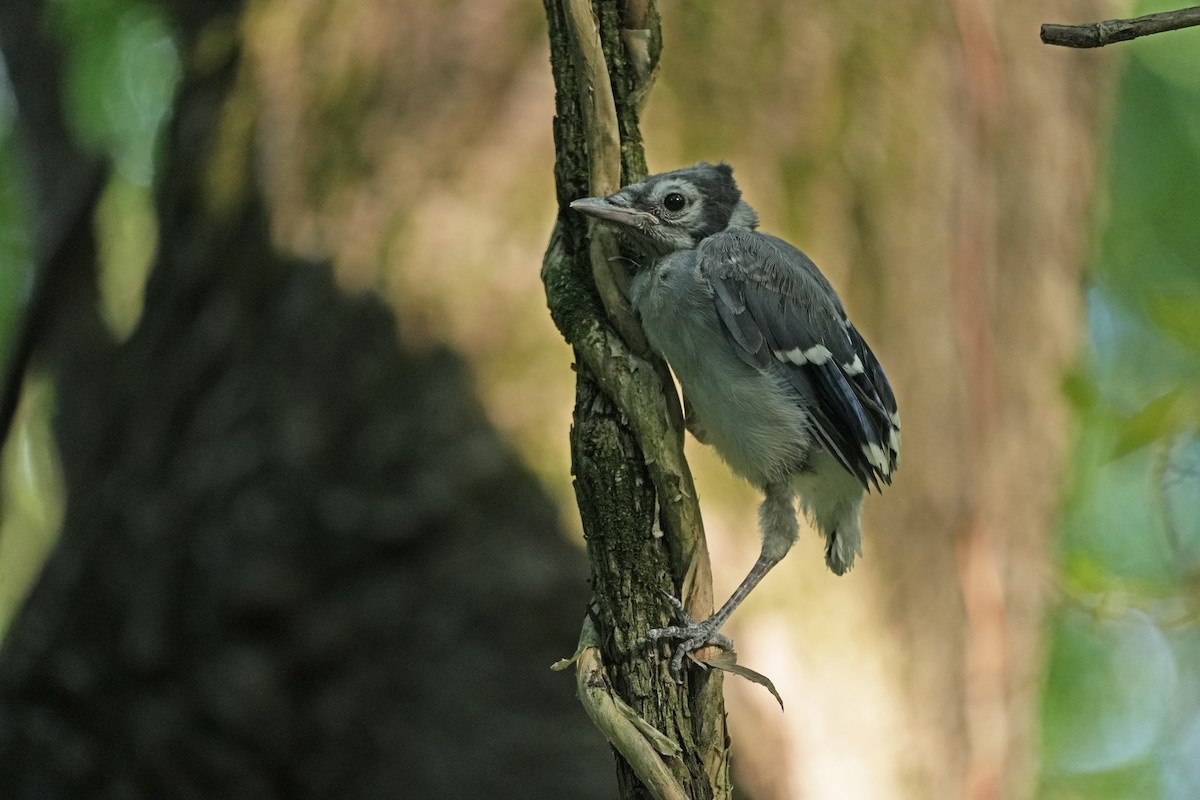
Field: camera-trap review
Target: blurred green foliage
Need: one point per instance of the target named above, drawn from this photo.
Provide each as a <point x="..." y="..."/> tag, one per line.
<point x="15" y="240"/>
<point x="24" y="507"/>
<point x="31" y="497"/>
<point x="122" y="70"/>
<point x="1121" y="705"/>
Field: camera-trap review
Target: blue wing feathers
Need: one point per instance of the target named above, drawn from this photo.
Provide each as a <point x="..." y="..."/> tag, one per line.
<point x="772" y="301"/>
<point x="731" y="307"/>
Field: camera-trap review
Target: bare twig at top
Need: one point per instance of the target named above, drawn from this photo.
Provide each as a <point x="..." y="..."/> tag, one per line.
<point x="1110" y="31"/>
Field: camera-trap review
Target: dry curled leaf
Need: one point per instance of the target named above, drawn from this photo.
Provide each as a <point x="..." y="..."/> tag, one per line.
<point x="727" y="660"/>
<point x="563" y="663"/>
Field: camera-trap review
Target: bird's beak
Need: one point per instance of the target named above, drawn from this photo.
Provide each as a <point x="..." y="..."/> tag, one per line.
<point x="604" y="209"/>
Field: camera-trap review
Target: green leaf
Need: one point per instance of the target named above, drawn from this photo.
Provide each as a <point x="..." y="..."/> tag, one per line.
<point x="1159" y="419"/>
<point x="1177" y="314"/>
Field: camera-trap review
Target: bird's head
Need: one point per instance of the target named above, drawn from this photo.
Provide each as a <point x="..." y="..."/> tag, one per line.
<point x="674" y="210"/>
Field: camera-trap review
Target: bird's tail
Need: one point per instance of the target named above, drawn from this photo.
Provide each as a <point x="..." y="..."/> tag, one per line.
<point x="832" y="499"/>
<point x="843" y="529"/>
<point x="842" y="544"/>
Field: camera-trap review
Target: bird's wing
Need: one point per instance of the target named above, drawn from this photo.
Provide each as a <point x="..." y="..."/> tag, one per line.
<point x="779" y="312"/>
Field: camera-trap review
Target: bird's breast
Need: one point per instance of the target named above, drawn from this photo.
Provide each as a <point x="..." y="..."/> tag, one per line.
<point x="752" y="417"/>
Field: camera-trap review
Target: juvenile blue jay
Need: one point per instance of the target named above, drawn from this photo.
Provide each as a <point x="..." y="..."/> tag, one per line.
<point x="774" y="374"/>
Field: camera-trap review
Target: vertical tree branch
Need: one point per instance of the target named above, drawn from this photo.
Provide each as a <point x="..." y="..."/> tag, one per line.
<point x="631" y="477"/>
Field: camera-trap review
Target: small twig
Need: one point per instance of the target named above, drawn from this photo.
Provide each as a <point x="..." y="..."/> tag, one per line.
<point x="1110" y="31"/>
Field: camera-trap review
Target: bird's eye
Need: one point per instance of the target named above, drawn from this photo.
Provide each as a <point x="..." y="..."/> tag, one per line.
<point x="674" y="202"/>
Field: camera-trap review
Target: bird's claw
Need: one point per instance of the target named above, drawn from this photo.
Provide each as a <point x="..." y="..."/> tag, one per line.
<point x="692" y="635"/>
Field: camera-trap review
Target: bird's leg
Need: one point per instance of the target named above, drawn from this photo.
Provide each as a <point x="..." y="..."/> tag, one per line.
<point x="693" y="635"/>
<point x="777" y="519"/>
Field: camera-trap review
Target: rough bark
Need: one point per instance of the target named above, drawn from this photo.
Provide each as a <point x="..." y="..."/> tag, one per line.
<point x="296" y="560"/>
<point x="623" y="405"/>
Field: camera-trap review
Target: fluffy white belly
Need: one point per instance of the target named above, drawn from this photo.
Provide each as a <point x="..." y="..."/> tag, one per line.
<point x="762" y="439"/>
<point x="751" y="417"/>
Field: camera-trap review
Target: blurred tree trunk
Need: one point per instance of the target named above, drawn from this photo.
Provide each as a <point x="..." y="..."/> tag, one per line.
<point x="296" y="561"/>
<point x="938" y="162"/>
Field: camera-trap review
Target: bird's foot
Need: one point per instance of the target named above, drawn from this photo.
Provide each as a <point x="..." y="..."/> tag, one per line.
<point x="691" y="635"/>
